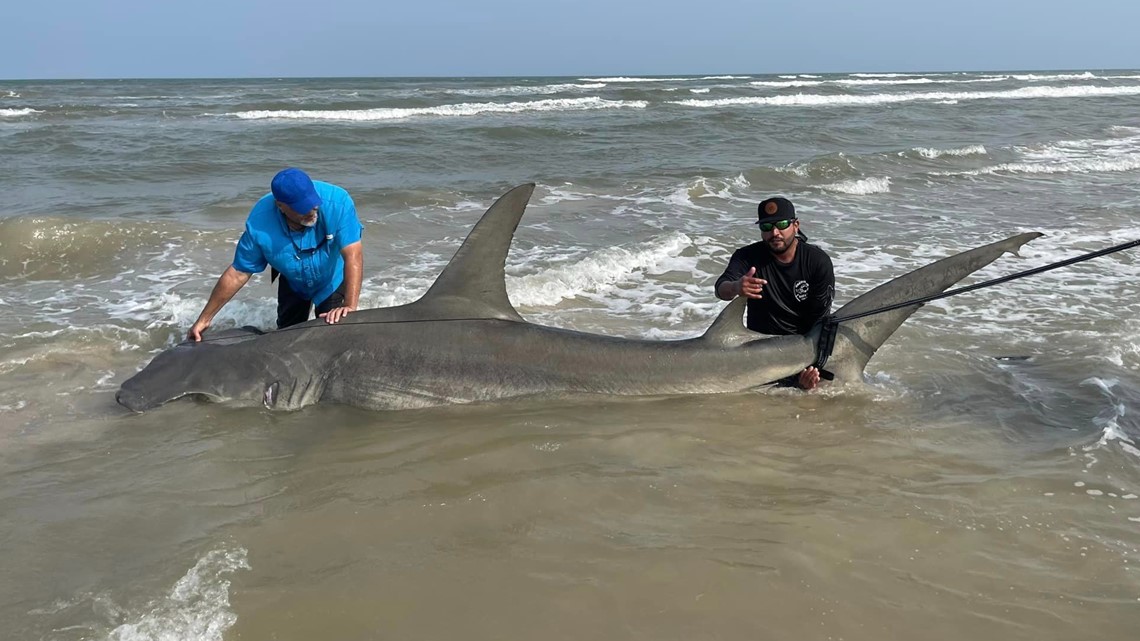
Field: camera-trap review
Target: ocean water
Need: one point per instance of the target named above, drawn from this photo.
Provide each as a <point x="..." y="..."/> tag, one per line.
<point x="957" y="495"/>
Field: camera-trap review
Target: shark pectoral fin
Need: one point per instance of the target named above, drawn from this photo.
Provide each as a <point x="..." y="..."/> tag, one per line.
<point x="728" y="329"/>
<point x="474" y="283"/>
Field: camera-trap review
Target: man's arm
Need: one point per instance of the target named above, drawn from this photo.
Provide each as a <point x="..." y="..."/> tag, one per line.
<point x="229" y="283"/>
<point x="353" y="276"/>
<point x="728" y="289"/>
<point x="739" y="279"/>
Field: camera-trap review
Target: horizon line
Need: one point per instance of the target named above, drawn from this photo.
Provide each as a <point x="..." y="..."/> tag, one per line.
<point x="579" y="76"/>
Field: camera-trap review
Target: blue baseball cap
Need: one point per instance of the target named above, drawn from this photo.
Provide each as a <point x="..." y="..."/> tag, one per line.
<point x="294" y="188"/>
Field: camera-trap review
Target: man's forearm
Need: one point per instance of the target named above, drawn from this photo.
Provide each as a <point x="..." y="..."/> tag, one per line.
<point x="228" y="284"/>
<point x="353" y="275"/>
<point x="728" y="290"/>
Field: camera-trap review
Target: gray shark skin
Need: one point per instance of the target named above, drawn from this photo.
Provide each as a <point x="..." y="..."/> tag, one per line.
<point x="463" y="342"/>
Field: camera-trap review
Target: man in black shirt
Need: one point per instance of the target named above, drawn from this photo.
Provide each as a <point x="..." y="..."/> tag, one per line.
<point x="789" y="283"/>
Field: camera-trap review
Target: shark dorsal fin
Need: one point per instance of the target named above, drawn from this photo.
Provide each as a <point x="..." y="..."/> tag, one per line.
<point x="728" y="329"/>
<point x="473" y="284"/>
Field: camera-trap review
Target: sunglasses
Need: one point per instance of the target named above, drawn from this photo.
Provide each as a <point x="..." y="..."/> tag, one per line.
<point x="779" y="224"/>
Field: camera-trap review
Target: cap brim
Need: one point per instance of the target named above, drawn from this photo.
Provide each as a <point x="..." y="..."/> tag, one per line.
<point x="774" y="219"/>
<point x="305" y="205"/>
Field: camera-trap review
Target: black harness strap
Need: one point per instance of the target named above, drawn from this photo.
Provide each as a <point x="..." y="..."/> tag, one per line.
<point x="825" y="345"/>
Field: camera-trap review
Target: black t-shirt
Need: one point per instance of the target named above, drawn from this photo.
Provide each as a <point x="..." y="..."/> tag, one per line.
<point x="797" y="294"/>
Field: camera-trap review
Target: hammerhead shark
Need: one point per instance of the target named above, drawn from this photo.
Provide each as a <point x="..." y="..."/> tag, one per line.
<point x="463" y="342"/>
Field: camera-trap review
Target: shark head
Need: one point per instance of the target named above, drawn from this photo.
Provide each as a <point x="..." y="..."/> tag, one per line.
<point x="222" y="369"/>
<point x="190" y="370"/>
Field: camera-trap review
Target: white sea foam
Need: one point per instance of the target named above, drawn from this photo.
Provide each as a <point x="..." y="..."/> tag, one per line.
<point x="858" y="82"/>
<point x="599" y="271"/>
<point x="1033" y="77"/>
<point x="818" y="100"/>
<point x="16" y="113"/>
<point x="788" y="83"/>
<point x="561" y="194"/>
<point x="15" y="407"/>
<point x="524" y="90"/>
<point x="197" y="608"/>
<point x="703" y="187"/>
<point x="970" y="150"/>
<point x="633" y="79"/>
<point x="868" y="82"/>
<point x="1109" y="420"/>
<point x="464" y="109"/>
<point x="1130" y="162"/>
<point x="888" y="75"/>
<point x="861" y="187"/>
<point x="161" y="308"/>
<point x="699" y="90"/>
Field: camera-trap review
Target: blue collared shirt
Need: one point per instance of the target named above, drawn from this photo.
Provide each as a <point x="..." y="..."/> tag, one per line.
<point x="268" y="241"/>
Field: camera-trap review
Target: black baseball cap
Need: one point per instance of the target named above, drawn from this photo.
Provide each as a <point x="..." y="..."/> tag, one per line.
<point x="775" y="209"/>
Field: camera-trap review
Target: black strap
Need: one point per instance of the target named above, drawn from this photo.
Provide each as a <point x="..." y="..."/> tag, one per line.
<point x="826" y="344"/>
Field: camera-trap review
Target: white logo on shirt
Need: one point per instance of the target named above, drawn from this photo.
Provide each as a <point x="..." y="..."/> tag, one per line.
<point x="801" y="290"/>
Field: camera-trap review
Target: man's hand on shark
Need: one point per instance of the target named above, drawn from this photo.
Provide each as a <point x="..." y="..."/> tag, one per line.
<point x="809" y="378"/>
<point x="336" y="314"/>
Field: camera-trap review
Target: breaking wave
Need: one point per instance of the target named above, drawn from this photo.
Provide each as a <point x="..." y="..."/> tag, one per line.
<point x="819" y="100"/>
<point x="970" y="150"/>
<point x="861" y="187"/>
<point x="597" y="271"/>
<point x="16" y="113"/>
<point x="197" y="608"/>
<point x="522" y="90"/>
<point x="464" y="109"/>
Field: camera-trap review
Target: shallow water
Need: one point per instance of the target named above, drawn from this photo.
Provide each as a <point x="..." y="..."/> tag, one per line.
<point x="956" y="495"/>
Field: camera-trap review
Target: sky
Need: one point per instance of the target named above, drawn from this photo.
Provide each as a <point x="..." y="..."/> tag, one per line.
<point x="290" y="38"/>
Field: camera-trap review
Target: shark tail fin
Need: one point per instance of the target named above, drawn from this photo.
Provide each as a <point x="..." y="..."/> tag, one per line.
<point x="858" y="339"/>
<point x="473" y="284"/>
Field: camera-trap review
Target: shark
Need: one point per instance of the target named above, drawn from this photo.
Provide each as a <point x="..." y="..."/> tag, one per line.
<point x="464" y="342"/>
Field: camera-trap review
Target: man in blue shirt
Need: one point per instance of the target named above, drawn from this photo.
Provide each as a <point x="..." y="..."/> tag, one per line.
<point x="309" y="233"/>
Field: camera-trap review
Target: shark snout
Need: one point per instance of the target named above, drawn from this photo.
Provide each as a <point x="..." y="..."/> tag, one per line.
<point x="134" y="400"/>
